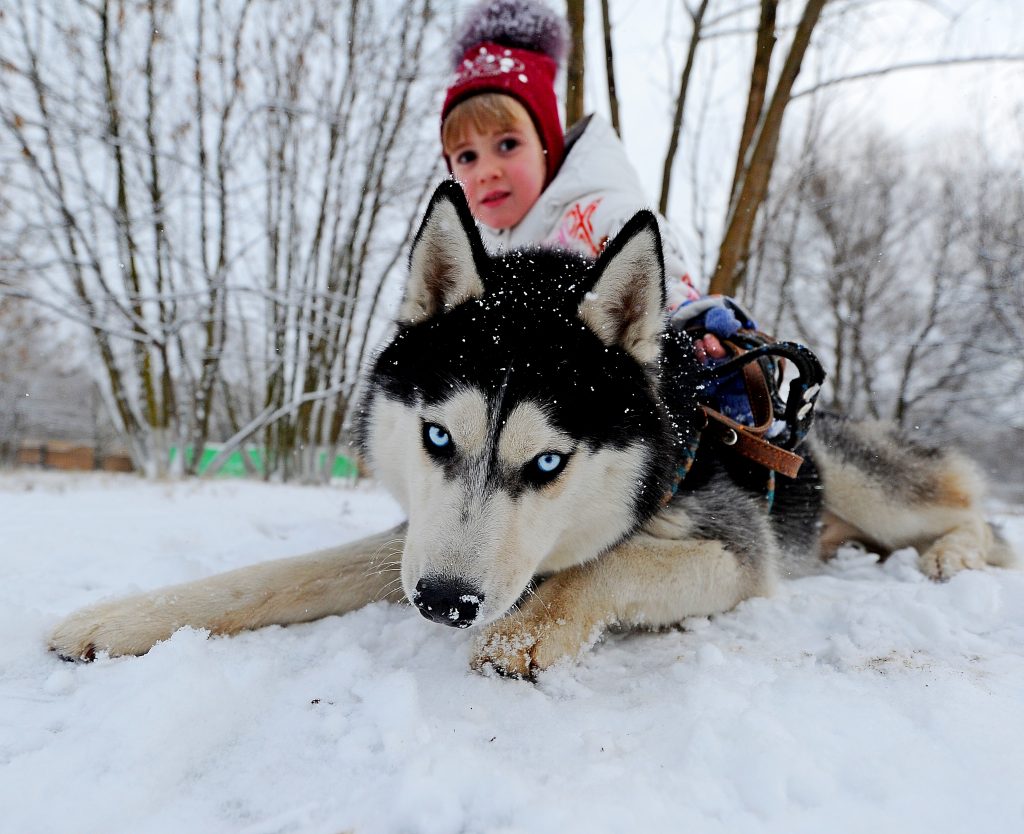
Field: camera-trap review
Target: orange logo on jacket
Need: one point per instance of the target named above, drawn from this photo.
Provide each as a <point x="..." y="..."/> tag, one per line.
<point x="577" y="228"/>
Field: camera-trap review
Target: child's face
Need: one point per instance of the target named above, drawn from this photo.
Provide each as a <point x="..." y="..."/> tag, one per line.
<point x="502" y="171"/>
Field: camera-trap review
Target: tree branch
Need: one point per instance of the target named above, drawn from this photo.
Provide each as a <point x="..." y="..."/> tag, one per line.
<point x="911" y="65"/>
<point x="677" y="119"/>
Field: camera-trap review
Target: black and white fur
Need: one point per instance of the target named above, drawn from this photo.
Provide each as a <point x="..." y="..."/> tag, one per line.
<point x="529" y="414"/>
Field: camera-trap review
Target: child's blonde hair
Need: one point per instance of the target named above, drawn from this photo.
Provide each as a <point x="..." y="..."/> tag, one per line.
<point x="484" y="112"/>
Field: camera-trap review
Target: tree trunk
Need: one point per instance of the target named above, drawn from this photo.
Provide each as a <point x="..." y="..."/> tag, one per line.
<point x="575" y="68"/>
<point x="609" y="65"/>
<point x="757" y="170"/>
<point x="758" y="90"/>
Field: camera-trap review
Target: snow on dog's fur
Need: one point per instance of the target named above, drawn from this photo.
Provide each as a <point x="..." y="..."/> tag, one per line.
<point x="529" y="414"/>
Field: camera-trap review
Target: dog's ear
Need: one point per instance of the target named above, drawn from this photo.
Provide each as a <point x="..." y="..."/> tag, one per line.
<point x="446" y="258"/>
<point x="626" y="303"/>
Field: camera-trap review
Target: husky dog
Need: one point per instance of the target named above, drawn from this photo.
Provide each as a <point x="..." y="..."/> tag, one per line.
<point x="529" y="415"/>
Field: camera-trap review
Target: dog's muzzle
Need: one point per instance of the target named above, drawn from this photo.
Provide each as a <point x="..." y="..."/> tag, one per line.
<point x="448" y="601"/>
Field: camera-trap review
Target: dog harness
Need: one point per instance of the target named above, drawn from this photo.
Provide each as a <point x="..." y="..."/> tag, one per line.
<point x="777" y="424"/>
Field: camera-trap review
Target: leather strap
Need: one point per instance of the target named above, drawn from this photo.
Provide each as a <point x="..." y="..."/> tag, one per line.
<point x="758" y="396"/>
<point x="750" y="444"/>
<point x="749" y="440"/>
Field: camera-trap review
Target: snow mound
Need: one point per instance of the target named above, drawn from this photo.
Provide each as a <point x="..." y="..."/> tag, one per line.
<point x="866" y="698"/>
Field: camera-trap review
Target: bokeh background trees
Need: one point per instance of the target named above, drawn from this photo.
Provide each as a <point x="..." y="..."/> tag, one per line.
<point x="205" y="205"/>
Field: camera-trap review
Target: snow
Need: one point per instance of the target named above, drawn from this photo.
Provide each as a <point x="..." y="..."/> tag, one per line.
<point x="863" y="699"/>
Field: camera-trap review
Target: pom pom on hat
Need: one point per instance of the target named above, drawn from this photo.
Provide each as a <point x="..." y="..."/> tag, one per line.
<point x="513" y="47"/>
<point x="524" y="24"/>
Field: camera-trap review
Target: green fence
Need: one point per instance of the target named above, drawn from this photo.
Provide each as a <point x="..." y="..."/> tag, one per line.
<point x="234" y="466"/>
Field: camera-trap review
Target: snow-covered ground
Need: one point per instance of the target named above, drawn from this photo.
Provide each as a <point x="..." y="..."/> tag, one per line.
<point x="865" y="699"/>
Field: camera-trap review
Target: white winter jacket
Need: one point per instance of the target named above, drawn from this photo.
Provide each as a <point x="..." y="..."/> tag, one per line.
<point x="594" y="193"/>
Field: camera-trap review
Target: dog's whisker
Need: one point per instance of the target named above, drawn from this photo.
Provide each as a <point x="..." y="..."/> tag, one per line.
<point x="379" y="570"/>
<point x="389" y="588"/>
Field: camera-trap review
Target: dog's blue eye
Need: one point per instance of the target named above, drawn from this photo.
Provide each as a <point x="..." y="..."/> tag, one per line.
<point x="438" y="436"/>
<point x="549" y="462"/>
<point x="544" y="468"/>
<point x="437" y="441"/>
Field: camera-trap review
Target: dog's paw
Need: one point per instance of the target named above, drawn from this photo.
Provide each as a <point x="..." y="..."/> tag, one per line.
<point x="521" y="646"/>
<point x="507" y="648"/>
<point x="72" y="644"/>
<point x="117" y="628"/>
<point x="945" y="558"/>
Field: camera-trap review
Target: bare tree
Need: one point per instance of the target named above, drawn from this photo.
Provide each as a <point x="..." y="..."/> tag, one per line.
<point x="340" y="210"/>
<point x="575" y="67"/>
<point x="218" y="193"/>
<point x="696" y="31"/>
<point x="763" y="48"/>
<point x="901" y="279"/>
<point x="995" y="207"/>
<point x="103" y="135"/>
<point x="755" y="161"/>
<point x="609" y="67"/>
<point x="765" y="111"/>
<point x="43" y="393"/>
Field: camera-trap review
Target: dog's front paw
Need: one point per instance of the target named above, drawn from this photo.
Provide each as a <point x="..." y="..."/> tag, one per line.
<point x="520" y="646"/>
<point x="507" y="647"/>
<point x="123" y="627"/>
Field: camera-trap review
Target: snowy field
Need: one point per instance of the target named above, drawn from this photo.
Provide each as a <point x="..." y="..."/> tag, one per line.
<point x="865" y="699"/>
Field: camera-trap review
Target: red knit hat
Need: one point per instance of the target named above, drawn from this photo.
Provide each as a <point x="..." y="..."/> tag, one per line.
<point x="513" y="47"/>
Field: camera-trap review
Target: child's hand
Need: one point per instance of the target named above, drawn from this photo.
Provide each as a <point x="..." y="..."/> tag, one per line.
<point x="708" y="347"/>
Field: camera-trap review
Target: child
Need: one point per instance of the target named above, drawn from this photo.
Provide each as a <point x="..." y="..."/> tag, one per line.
<point x="526" y="182"/>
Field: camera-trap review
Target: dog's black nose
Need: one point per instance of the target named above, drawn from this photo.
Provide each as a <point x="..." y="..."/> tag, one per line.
<point x="447" y="601"/>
